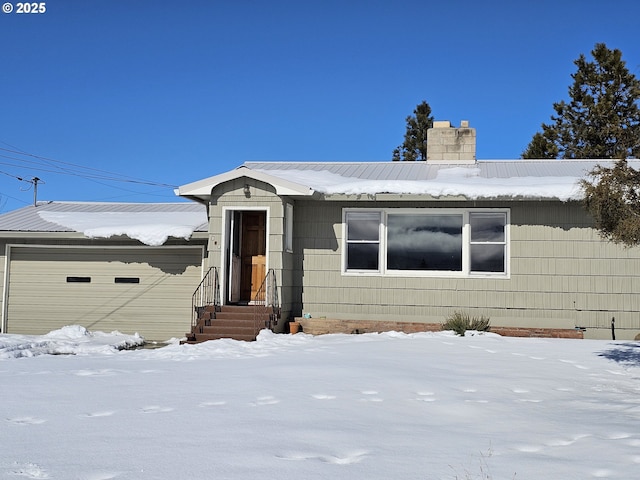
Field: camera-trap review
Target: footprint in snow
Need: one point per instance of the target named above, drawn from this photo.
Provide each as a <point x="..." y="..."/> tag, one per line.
<point x="156" y="409"/>
<point x="618" y="435"/>
<point x="603" y="473"/>
<point x="348" y="459"/>
<point x="29" y="470"/>
<point x="105" y="413"/>
<point x="321" y="396"/>
<point x="102" y="476"/>
<point x="564" y="389"/>
<point x="95" y="373"/>
<point x="564" y="442"/>
<point x="26" y="420"/>
<point x="529" y="448"/>
<point x="571" y="362"/>
<point x="370" y="396"/>
<point x="266" y="400"/>
<point x="212" y="404"/>
<point x="425" y="396"/>
<point x="559" y="442"/>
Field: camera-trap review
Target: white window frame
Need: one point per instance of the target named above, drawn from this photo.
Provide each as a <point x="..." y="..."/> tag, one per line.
<point x="380" y="241"/>
<point x="466" y="244"/>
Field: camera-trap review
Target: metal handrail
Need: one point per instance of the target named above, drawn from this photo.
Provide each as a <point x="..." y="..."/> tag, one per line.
<point x="207" y="294"/>
<point x="266" y="300"/>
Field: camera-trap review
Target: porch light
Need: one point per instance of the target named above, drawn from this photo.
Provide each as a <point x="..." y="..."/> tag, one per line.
<point x="247" y="190"/>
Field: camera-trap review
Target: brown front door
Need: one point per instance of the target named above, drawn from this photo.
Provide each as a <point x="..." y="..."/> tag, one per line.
<point x="253" y="253"/>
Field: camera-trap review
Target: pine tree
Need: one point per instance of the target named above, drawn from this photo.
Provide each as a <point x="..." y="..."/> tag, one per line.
<point x="602" y="119"/>
<point x="541" y="147"/>
<point x="414" y="146"/>
<point x="612" y="198"/>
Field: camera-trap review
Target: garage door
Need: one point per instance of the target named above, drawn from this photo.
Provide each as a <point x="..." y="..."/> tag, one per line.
<point x="144" y="290"/>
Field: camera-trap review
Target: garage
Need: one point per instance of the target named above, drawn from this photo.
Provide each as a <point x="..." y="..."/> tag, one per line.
<point x="130" y="289"/>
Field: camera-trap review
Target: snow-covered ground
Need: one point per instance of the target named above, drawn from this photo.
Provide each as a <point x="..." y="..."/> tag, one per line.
<point x="376" y="406"/>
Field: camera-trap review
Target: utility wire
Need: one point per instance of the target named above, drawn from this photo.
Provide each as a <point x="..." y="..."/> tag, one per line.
<point x="89" y="176"/>
<point x="91" y="173"/>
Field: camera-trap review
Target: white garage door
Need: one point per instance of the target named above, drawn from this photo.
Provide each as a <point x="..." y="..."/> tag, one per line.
<point x="144" y="290"/>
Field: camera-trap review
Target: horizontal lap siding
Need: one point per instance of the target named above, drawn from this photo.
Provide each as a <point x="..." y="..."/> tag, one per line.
<point x="562" y="274"/>
<point x="158" y="307"/>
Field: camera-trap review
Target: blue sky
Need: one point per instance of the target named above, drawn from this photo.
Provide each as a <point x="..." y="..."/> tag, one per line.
<point x="160" y="93"/>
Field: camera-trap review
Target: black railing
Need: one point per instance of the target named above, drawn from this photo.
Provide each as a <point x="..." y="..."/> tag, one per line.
<point x="206" y="295"/>
<point x="266" y="304"/>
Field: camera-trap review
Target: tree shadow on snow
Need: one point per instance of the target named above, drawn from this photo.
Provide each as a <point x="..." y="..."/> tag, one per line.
<point x="627" y="353"/>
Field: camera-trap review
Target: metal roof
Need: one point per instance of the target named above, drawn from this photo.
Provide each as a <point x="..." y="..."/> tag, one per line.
<point x="428" y="171"/>
<point x="27" y="219"/>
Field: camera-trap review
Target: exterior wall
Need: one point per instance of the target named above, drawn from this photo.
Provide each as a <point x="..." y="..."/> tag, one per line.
<point x="562" y="275"/>
<point x="38" y="298"/>
<point x="231" y="196"/>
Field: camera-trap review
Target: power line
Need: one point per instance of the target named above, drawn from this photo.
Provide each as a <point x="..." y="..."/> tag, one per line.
<point x="89" y="172"/>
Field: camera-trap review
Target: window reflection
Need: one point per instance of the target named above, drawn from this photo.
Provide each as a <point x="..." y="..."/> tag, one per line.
<point x="424" y="242"/>
<point x="487" y="249"/>
<point x="363" y="240"/>
<point x="487" y="227"/>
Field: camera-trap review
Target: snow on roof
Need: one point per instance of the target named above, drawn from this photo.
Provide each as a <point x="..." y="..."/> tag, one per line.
<point x="486" y="179"/>
<point x="150" y="223"/>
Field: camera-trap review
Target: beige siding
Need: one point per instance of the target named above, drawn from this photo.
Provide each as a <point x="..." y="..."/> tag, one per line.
<point x="562" y="274"/>
<point x="41" y="299"/>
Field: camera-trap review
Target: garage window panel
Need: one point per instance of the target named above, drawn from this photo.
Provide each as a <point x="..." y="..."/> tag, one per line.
<point x="78" y="279"/>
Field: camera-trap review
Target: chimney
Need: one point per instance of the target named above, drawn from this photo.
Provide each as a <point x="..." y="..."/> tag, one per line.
<point x="447" y="144"/>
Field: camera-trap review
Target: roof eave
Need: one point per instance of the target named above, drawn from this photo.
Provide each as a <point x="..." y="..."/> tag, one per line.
<point x="432" y="198"/>
<point x="201" y="190"/>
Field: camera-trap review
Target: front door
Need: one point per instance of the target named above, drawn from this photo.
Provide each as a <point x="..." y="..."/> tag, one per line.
<point x="252" y="253"/>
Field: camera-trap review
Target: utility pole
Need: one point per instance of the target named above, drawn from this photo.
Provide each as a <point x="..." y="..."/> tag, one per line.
<point x="35" y="181"/>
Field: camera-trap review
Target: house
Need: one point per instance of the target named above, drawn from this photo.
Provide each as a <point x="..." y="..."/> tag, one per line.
<point x="105" y="266"/>
<point x="356" y="247"/>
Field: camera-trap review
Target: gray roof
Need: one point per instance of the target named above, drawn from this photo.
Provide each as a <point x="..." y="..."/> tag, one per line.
<point x="27" y="219"/>
<point x="471" y="180"/>
<point x="428" y="171"/>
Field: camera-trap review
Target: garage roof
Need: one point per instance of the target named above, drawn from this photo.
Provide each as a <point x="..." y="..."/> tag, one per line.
<point x="151" y="223"/>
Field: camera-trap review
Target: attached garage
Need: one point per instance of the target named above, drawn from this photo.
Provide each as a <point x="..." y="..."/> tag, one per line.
<point x="123" y="279"/>
<point x="144" y="290"/>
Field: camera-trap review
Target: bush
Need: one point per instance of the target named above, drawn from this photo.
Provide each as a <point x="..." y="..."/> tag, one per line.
<point x="460" y="322"/>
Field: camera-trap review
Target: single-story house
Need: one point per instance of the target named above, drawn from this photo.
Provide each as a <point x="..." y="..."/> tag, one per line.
<point x="340" y="247"/>
<point x="359" y="247"/>
<point x="130" y="267"/>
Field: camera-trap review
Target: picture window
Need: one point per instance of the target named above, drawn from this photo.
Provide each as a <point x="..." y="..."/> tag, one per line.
<point x="428" y="242"/>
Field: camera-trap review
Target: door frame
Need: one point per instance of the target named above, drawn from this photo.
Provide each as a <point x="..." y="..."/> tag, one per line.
<point x="228" y="240"/>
